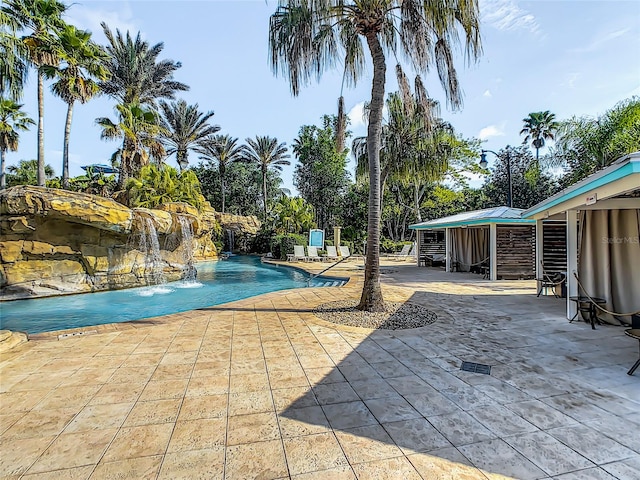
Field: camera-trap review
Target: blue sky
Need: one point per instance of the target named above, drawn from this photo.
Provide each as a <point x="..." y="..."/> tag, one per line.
<point x="575" y="57"/>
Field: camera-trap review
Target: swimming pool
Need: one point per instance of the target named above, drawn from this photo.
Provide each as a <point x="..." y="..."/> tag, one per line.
<point x="218" y="282"/>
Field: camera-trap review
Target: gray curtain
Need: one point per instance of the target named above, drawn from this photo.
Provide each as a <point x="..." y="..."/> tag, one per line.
<point x="469" y="246"/>
<point x="609" y="262"/>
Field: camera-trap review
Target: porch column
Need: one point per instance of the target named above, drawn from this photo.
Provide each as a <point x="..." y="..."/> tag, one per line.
<point x="493" y="251"/>
<point x="447" y="249"/>
<point x="418" y="247"/>
<point x="572" y="261"/>
<point x="539" y="248"/>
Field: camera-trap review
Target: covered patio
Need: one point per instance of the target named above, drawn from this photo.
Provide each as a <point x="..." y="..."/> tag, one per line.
<point x="494" y="241"/>
<point x="601" y="215"/>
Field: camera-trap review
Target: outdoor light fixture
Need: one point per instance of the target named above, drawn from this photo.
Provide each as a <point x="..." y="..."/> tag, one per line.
<point x="484" y="163"/>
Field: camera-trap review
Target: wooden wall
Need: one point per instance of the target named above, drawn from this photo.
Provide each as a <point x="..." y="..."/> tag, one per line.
<point x="431" y="243"/>
<point x="554" y="245"/>
<point x="516" y="255"/>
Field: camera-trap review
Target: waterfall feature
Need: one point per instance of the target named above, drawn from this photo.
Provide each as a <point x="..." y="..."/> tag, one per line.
<point x="230" y="240"/>
<point x="189" y="270"/>
<point x="150" y="247"/>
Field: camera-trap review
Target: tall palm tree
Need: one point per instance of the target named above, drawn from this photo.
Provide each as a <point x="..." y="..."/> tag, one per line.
<point x="43" y="18"/>
<point x="136" y="74"/>
<point x="26" y="173"/>
<point x="82" y="61"/>
<point x="224" y="150"/>
<point x="13" y="68"/>
<point x="308" y="36"/>
<point x="266" y="153"/>
<point x="12" y="121"/>
<point x="185" y="127"/>
<point x="538" y="127"/>
<point x="138" y="127"/>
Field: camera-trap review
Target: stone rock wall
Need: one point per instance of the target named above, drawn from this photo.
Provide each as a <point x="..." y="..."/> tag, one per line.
<point x="54" y="241"/>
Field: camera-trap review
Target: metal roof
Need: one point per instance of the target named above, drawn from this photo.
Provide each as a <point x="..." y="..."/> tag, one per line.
<point x="477" y="217"/>
<point x="623" y="167"/>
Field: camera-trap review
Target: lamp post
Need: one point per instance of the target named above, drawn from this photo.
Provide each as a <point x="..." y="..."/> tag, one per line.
<point x="483" y="164"/>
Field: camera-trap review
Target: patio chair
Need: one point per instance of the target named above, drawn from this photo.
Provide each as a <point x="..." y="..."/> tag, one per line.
<point x="550" y="281"/>
<point x="297" y="255"/>
<point x="344" y="251"/>
<point x="404" y="253"/>
<point x="332" y="253"/>
<point x="312" y="254"/>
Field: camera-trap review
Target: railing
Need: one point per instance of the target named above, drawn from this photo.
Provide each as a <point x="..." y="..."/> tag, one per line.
<point x="314" y="275"/>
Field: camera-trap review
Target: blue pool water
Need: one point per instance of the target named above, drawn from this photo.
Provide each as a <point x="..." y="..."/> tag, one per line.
<point x="218" y="282"/>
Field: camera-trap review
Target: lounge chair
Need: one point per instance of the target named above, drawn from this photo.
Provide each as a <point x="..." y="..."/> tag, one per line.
<point x="332" y="253"/>
<point x="404" y="253"/>
<point x="344" y="251"/>
<point x="312" y="254"/>
<point x="297" y="255"/>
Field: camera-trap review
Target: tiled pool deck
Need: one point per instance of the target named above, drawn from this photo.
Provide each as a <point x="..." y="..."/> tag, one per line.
<point x="261" y="388"/>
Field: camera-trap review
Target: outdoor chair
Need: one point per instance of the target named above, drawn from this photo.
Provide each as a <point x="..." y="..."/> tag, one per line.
<point x="404" y="253"/>
<point x="312" y="254"/>
<point x="550" y="281"/>
<point x="332" y="253"/>
<point x="297" y="255"/>
<point x="344" y="251"/>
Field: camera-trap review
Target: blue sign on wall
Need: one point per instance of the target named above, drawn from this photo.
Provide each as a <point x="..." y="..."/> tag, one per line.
<point x="316" y="238"/>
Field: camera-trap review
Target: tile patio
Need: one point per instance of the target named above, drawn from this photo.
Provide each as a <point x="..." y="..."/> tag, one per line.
<point x="262" y="388"/>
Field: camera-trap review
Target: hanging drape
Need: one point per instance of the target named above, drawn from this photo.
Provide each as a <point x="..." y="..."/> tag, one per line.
<point x="469" y="247"/>
<point x="609" y="261"/>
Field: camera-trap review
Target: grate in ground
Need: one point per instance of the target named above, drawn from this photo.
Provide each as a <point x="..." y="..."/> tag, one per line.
<point x="476" y="368"/>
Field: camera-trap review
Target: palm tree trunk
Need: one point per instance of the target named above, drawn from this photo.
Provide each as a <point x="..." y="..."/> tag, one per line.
<point x="416" y="201"/>
<point x="3" y="179"/>
<point x="371" y="299"/>
<point x="264" y="191"/>
<point x="65" y="147"/>
<point x="221" y="169"/>
<point x="124" y="165"/>
<point x="41" y="175"/>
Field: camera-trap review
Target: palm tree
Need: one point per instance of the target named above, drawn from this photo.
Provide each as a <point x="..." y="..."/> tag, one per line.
<point x="293" y="215"/>
<point x="308" y="36"/>
<point x="82" y="60"/>
<point x="13" y="68"/>
<point x="12" y="121"/>
<point x="26" y="173"/>
<point x="136" y="74"/>
<point x="538" y="127"/>
<point x="43" y="18"/>
<point x="139" y="129"/>
<point x="185" y="128"/>
<point x="266" y="153"/>
<point x="224" y="150"/>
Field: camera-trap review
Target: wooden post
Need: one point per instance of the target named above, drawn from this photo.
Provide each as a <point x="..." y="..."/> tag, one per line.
<point x="418" y="247"/>
<point x="447" y="249"/>
<point x="493" y="251"/>
<point x="539" y="249"/>
<point x="572" y="261"/>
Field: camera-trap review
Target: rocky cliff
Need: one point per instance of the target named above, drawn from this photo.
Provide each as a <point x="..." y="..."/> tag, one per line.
<point x="54" y="241"/>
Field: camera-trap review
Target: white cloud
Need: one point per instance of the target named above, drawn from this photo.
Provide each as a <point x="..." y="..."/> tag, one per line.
<point x="570" y="79"/>
<point x="506" y="15"/>
<point x="491" y="131"/>
<point x="487" y="93"/>
<point x="89" y="18"/>
<point x="600" y="40"/>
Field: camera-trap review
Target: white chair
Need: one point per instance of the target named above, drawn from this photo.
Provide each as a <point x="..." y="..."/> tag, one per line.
<point x="332" y="253"/>
<point x="344" y="251"/>
<point x="298" y="254"/>
<point x="404" y="253"/>
<point x="312" y="254"/>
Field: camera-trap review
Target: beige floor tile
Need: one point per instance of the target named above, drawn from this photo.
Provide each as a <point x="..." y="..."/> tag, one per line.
<point x="366" y="444"/>
<point x="164" y="390"/>
<point x="140" y="359"/>
<point x="391" y="409"/>
<point x="141" y="468"/>
<point x="295" y="397"/>
<point x="252" y="382"/>
<point x="302" y="421"/>
<point x="77" y="473"/>
<point x="416" y="435"/>
<point x="349" y="415"/>
<point x="251" y="428"/>
<point x="21" y="401"/>
<point x="335" y="393"/>
<point x="139" y="374"/>
<point x="17" y="455"/>
<point x="311" y="453"/>
<point x="498" y="460"/>
<point x="445" y="464"/>
<point x="68" y="397"/>
<point x="142" y="441"/>
<point x="41" y="423"/>
<point x="338" y="473"/>
<point x="250" y="402"/>
<point x="201" y="434"/>
<point x="99" y="417"/>
<point x="74" y="450"/>
<point x="460" y="428"/>
<point x="591" y="444"/>
<point x="117" y="393"/>
<point x="369" y="389"/>
<point x="6" y="421"/>
<point x="206" y="406"/>
<point x="172" y="372"/>
<point x="387" y="469"/>
<point x="205" y="464"/>
<point x="211" y="369"/>
<point x="154" y="411"/>
<point x="213" y="385"/>
<point x="256" y="460"/>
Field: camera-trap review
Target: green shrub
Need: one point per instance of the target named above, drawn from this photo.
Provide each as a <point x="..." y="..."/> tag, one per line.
<point x="157" y="185"/>
<point x="389" y="246"/>
<point x="261" y="243"/>
<point x="281" y="245"/>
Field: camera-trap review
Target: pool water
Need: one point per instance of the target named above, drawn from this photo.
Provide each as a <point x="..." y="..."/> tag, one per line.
<point x="219" y="282"/>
